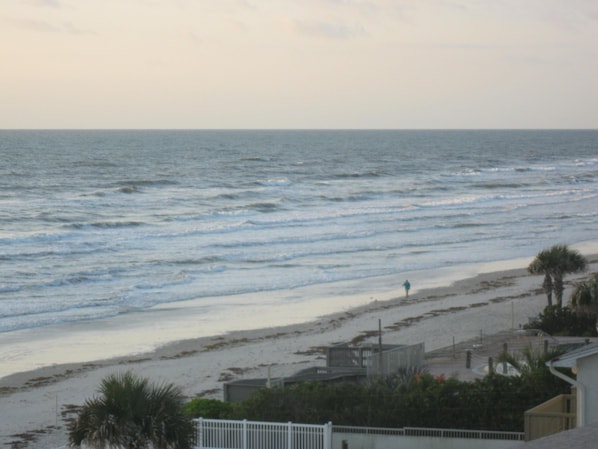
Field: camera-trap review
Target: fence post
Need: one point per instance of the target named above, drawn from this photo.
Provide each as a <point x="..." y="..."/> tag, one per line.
<point x="244" y="434"/>
<point x="290" y="435"/>
<point x="328" y="436"/>
<point x="199" y="432"/>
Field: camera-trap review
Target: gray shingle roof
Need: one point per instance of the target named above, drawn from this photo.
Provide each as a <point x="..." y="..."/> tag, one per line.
<point x="569" y="359"/>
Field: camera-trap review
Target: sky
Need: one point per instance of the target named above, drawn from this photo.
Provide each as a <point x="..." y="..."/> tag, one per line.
<point x="298" y="64"/>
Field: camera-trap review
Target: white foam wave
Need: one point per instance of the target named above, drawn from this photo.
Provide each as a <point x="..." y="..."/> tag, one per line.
<point x="76" y="247"/>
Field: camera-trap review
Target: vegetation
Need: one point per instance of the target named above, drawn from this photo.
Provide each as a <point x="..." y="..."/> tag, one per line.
<point x="528" y="361"/>
<point x="564" y="321"/>
<point x="584" y="298"/>
<point x="554" y="264"/>
<point x="208" y="408"/>
<point x="493" y="403"/>
<point x="579" y="318"/>
<point x="132" y="413"/>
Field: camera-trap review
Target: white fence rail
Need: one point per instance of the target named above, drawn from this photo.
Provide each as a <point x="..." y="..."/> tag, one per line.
<point x="226" y="434"/>
<point x="432" y="432"/>
<point x="414" y="438"/>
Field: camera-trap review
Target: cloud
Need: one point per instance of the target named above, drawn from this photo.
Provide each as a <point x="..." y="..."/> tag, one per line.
<point x="225" y="6"/>
<point x="42" y="26"/>
<point x="36" y="25"/>
<point x="327" y="30"/>
<point x="193" y="37"/>
<point x="44" y="3"/>
<point x="70" y="28"/>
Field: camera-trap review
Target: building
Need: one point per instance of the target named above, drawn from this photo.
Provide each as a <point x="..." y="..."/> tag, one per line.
<point x="344" y="363"/>
<point x="568" y="411"/>
<point x="584" y="364"/>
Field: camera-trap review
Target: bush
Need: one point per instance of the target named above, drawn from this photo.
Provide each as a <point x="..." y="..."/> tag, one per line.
<point x="494" y="402"/>
<point x="563" y="321"/>
<point x="208" y="408"/>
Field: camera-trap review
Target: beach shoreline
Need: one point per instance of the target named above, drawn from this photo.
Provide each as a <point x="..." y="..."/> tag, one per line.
<point x="184" y="347"/>
<point x="134" y="333"/>
<point x="36" y="403"/>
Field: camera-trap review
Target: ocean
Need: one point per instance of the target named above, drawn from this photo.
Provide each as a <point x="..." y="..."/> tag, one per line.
<point x="111" y="229"/>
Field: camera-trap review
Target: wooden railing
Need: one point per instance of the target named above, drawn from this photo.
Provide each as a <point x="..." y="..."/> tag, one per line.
<point x="554" y="415"/>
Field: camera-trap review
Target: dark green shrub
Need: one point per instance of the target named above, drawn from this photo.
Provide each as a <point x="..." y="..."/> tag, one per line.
<point x="563" y="321"/>
<point x="494" y="402"/>
<point x="208" y="408"/>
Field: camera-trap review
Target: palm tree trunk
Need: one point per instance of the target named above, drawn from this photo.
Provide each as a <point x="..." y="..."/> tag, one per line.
<point x="558" y="290"/>
<point x="547" y="286"/>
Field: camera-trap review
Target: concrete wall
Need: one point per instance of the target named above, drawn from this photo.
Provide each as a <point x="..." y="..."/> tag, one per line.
<point x="369" y="441"/>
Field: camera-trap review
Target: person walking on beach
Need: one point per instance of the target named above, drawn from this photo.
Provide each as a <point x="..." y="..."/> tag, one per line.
<point x="407" y="286"/>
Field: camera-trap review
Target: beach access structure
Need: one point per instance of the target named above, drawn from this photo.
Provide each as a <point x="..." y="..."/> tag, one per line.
<point x="344" y="363"/>
<point x="384" y="360"/>
<point x="227" y="434"/>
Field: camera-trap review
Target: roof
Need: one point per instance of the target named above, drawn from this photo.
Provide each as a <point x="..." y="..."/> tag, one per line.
<point x="578" y="438"/>
<point x="569" y="360"/>
<point x="323" y="374"/>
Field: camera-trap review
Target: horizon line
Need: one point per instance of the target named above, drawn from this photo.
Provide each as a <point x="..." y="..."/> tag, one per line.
<point x="298" y="129"/>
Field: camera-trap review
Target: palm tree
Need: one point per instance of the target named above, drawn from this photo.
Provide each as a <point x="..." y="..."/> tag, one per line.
<point x="554" y="263"/>
<point x="584" y="298"/>
<point x="131" y="413"/>
<point x="529" y="360"/>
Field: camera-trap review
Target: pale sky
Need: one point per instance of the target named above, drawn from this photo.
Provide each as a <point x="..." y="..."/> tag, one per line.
<point x="398" y="64"/>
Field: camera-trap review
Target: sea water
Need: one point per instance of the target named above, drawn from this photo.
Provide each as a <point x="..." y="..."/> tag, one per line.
<point x="119" y="229"/>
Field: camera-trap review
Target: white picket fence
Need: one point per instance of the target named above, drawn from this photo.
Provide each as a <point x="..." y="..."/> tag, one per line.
<point x="226" y="434"/>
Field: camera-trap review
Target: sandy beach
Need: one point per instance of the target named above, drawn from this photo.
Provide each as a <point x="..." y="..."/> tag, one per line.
<point x="35" y="403"/>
